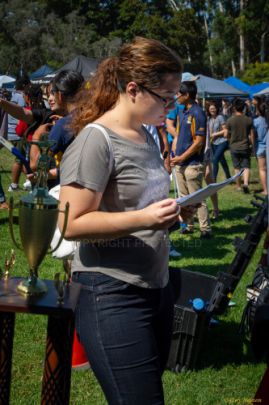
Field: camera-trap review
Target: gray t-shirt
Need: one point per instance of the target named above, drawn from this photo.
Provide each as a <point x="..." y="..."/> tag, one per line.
<point x="138" y="179"/>
<point x="216" y="125"/>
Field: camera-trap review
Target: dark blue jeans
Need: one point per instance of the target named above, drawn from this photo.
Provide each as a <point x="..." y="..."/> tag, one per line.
<point x="2" y="194"/>
<point x="219" y="157"/>
<point x="126" y="332"/>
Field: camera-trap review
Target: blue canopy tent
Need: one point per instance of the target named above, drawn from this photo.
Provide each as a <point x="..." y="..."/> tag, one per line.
<point x="257" y="88"/>
<point x="41" y="72"/>
<point x="252" y="90"/>
<point x="238" y="84"/>
<point x="264" y="92"/>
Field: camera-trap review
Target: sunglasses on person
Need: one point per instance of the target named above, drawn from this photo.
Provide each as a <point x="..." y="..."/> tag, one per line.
<point x="167" y="102"/>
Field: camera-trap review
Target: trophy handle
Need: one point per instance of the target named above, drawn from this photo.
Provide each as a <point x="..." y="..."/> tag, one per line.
<point x="66" y="212"/>
<point x="10" y="222"/>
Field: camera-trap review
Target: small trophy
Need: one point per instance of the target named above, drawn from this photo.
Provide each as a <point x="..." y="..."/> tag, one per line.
<point x="59" y="284"/>
<point x="9" y="264"/>
<point x="38" y="214"/>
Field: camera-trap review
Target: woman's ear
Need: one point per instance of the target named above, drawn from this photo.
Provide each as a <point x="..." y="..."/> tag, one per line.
<point x="132" y="89"/>
<point x="59" y="97"/>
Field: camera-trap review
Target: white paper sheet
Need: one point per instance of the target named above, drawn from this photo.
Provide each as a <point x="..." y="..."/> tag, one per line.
<point x="200" y="195"/>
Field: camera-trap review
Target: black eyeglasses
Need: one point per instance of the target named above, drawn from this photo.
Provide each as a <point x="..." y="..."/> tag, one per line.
<point x="166" y="103"/>
<point x="53" y="91"/>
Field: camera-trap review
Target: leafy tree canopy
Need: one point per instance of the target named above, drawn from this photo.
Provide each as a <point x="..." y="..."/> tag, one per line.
<point x="204" y="32"/>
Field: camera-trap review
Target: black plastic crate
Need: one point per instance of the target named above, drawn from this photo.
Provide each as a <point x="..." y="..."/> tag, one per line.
<point x="190" y="326"/>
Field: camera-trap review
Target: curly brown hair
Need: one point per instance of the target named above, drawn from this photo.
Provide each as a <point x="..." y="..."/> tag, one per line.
<point x="144" y="61"/>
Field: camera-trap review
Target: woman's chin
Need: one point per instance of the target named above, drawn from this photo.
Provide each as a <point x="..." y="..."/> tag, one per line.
<point x="156" y="121"/>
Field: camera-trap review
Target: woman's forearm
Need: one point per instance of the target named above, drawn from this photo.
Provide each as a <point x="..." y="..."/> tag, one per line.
<point x="100" y="225"/>
<point x="218" y="134"/>
<point x="17" y="111"/>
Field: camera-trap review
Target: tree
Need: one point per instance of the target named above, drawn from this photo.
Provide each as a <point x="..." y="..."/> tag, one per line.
<point x="256" y="73"/>
<point x="224" y="44"/>
<point x="20" y="25"/>
<point x="30" y="37"/>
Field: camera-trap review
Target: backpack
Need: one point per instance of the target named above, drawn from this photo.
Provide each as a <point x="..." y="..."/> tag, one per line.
<point x="257" y="294"/>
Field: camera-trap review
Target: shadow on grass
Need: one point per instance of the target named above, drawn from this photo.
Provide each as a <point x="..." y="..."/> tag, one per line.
<point x="4" y="219"/>
<point x="212" y="270"/>
<point x="238" y="213"/>
<point x="234" y="347"/>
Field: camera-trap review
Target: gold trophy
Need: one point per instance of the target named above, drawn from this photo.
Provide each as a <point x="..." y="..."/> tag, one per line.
<point x="38" y="214"/>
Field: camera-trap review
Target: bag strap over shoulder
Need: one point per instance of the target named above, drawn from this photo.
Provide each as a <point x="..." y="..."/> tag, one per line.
<point x="104" y="132"/>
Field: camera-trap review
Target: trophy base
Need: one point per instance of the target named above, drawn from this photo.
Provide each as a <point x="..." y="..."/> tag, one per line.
<point x="32" y="287"/>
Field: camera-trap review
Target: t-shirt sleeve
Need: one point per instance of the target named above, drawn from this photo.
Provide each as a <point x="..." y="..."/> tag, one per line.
<point x="200" y="118"/>
<point x="18" y="99"/>
<point x="172" y="114"/>
<point x="21" y="128"/>
<point x="86" y="161"/>
<point x="61" y="135"/>
<point x="221" y="121"/>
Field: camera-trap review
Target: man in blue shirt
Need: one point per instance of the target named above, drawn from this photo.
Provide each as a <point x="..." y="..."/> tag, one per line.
<point x="171" y="120"/>
<point x="188" y="147"/>
<point x="171" y="117"/>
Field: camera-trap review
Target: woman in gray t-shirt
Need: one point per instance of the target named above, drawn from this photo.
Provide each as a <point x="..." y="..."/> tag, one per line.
<point x="219" y="144"/>
<point x="117" y="187"/>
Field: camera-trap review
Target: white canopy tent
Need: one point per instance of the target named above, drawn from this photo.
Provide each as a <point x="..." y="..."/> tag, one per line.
<point x="6" y="79"/>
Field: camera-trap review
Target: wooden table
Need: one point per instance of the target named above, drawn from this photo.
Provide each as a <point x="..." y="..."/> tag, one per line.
<point x="60" y="331"/>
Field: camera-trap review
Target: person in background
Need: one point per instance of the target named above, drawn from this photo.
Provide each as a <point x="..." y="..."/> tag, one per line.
<point x="249" y="109"/>
<point x="172" y="128"/>
<point x="256" y="101"/>
<point x="261" y="132"/>
<point x="34" y="118"/>
<point x="33" y="100"/>
<point x="171" y="118"/>
<point x="3" y="204"/>
<point x="18" y="100"/>
<point x="239" y="132"/>
<point x="219" y="144"/>
<point x="208" y="174"/>
<point x="121" y="216"/>
<point x="226" y="109"/>
<point x="64" y="87"/>
<point x="3" y="133"/>
<point x="189" y="151"/>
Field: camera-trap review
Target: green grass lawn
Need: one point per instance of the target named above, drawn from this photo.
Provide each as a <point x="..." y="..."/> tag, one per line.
<point x="226" y="372"/>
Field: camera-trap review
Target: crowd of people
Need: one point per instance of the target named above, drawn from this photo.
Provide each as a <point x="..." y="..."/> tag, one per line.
<point x="117" y="139"/>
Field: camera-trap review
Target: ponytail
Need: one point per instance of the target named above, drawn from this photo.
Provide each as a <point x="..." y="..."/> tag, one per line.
<point x="99" y="96"/>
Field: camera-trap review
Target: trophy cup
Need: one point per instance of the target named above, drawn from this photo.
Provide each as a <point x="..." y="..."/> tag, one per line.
<point x="38" y="214"/>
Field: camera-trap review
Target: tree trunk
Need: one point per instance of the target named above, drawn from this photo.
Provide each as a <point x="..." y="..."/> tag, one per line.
<point x="262" y="52"/>
<point x="208" y="45"/>
<point x="242" y="42"/>
<point x="233" y="67"/>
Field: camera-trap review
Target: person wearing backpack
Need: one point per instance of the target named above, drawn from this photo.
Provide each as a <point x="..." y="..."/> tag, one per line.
<point x="115" y="181"/>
